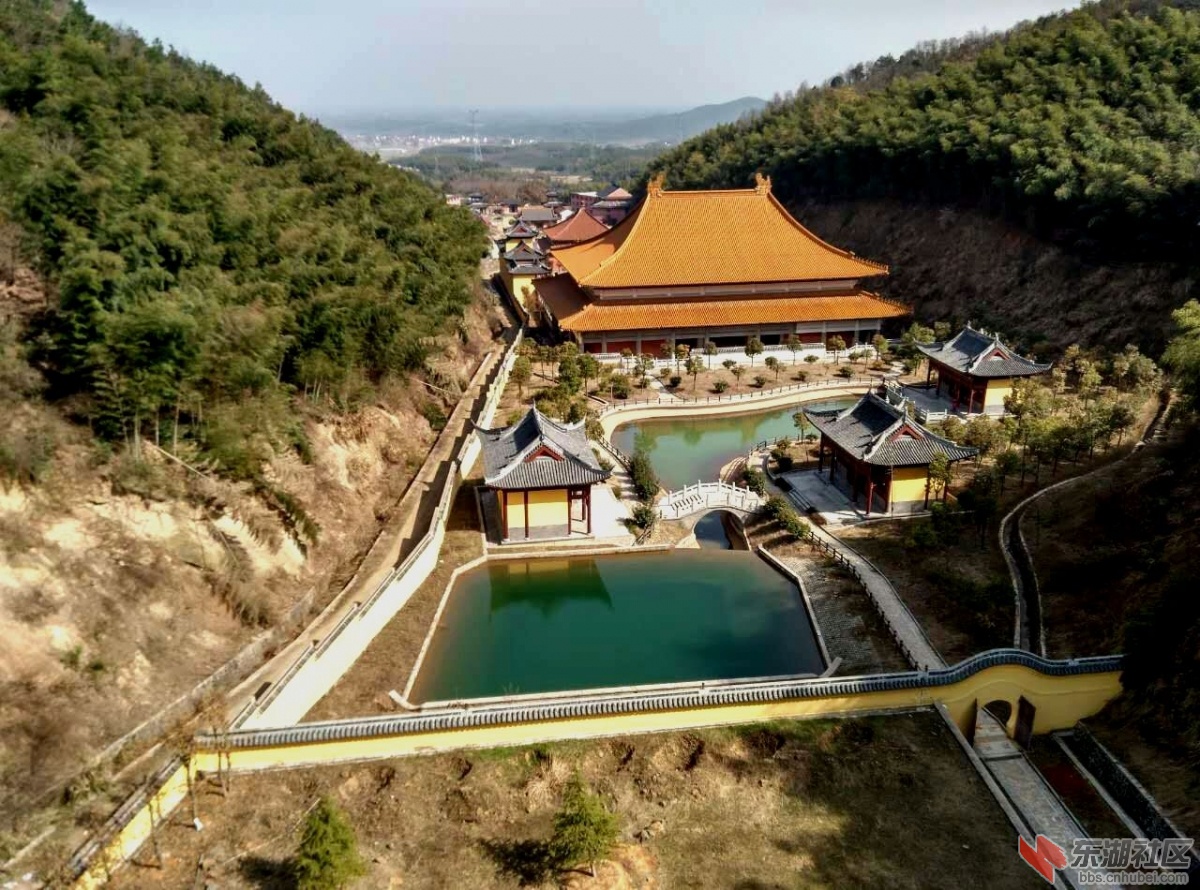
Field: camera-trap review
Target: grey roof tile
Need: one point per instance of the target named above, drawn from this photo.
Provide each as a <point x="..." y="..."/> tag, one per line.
<point x="868" y="430"/>
<point x="980" y="355"/>
<point x="505" y="453"/>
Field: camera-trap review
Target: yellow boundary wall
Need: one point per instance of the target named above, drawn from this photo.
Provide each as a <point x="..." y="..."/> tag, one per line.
<point x="1061" y="701"/>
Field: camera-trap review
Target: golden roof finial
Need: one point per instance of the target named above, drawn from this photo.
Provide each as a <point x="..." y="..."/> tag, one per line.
<point x="657" y="181"/>
<point x="762" y="184"/>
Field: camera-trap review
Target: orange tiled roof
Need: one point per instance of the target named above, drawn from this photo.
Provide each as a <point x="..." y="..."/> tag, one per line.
<point x="574" y="312"/>
<point x="736" y="236"/>
<point x="579" y="226"/>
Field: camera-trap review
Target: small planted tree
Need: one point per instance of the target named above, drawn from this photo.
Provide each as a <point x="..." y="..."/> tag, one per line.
<point x="881" y="345"/>
<point x="584" y="829"/>
<point x="836" y="345"/>
<point x="728" y="364"/>
<point x="719" y="386"/>
<point x="812" y="358"/>
<point x="940" y="473"/>
<point x="589" y="368"/>
<point x="794" y="344"/>
<point x="522" y="369"/>
<point x="641" y="473"/>
<point x="694" y="366"/>
<point x="682" y="351"/>
<point x="737" y="371"/>
<point x="753" y="347"/>
<point x="328" y="856"/>
<point x="772" y="364"/>
<point x="626" y="355"/>
<point x="710" y="349"/>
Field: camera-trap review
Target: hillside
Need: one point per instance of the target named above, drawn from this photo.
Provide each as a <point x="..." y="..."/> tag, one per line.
<point x="1078" y="134"/>
<point x="227" y="340"/>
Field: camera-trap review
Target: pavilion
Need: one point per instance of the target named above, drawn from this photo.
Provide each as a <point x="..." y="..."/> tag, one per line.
<point x="689" y="266"/>
<point x="977" y="370"/>
<point x="884" y="454"/>
<point x="542" y="473"/>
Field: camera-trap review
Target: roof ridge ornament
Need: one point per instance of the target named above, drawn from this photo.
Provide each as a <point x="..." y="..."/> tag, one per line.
<point x="762" y="184"/>
<point x="657" y="184"/>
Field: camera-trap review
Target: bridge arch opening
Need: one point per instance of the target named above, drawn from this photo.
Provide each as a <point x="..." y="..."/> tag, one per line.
<point x="720" y="529"/>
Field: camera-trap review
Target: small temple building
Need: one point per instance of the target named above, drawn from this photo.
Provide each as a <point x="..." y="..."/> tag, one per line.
<point x="728" y="265"/>
<point x="612" y="205"/>
<point x="879" y="456"/>
<point x="518" y="233"/>
<point x="579" y="226"/>
<point x="542" y="473"/>
<point x="519" y="268"/>
<point x="977" y="370"/>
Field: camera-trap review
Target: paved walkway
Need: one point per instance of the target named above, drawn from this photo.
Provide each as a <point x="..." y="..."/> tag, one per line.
<point x="1042" y="810"/>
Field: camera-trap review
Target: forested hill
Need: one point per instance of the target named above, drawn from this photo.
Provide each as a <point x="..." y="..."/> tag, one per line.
<point x="1081" y="129"/>
<point x="202" y="245"/>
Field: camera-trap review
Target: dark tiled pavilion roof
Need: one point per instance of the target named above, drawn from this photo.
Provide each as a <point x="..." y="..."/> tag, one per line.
<point x="564" y="456"/>
<point x="980" y="355"/>
<point x="877" y="433"/>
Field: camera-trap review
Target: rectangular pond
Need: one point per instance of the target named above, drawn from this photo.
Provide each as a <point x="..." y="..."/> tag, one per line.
<point x="548" y="625"/>
<point x="687" y="450"/>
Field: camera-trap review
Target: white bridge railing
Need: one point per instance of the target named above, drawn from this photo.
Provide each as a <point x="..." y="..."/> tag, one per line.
<point x="708" y="495"/>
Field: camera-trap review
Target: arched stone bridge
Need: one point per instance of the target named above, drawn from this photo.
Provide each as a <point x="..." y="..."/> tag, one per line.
<point x="705" y="496"/>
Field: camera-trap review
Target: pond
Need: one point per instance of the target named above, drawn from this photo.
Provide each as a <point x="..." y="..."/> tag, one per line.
<point x="684" y="451"/>
<point x="547" y="625"/>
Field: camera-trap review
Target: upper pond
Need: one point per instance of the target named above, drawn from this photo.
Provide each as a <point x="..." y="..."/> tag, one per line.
<point x="547" y="625"/>
<point x="687" y="450"/>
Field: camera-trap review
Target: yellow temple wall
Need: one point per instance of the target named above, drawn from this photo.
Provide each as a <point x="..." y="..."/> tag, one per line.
<point x="548" y="507"/>
<point x="908" y="484"/>
<point x="997" y="391"/>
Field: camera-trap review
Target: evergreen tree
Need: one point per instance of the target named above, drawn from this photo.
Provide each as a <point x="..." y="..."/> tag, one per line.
<point x="328" y="856"/>
<point x="584" y="830"/>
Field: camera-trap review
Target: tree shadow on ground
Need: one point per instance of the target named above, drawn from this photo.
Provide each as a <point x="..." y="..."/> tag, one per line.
<point x="530" y="862"/>
<point x="268" y="874"/>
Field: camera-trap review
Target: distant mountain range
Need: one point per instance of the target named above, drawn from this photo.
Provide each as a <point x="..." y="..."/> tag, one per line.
<point x="552" y="125"/>
<point x="684" y="125"/>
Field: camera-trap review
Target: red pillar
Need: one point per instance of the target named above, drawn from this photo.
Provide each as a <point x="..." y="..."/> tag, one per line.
<point x="870" y="490"/>
<point x="970" y="399"/>
<point x="587" y="507"/>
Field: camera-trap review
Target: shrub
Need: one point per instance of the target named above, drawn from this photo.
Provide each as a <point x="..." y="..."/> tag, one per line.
<point x="812" y="358"/>
<point x="643" y="515"/>
<point x="775" y="506"/>
<point x="783" y="459"/>
<point x="794" y="525"/>
<point x="720" y="386"/>
<point x="620" y="386"/>
<point x="675" y="381"/>
<point x="755" y="480"/>
<point x="328" y="856"/>
<point x="845" y="371"/>
<point x="760" y="381"/>
<point x="641" y="473"/>
<point x="801" y="376"/>
<point x="435" y="414"/>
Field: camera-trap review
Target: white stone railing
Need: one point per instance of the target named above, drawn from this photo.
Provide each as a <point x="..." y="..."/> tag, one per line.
<point x="678" y="402"/>
<point x="708" y="495"/>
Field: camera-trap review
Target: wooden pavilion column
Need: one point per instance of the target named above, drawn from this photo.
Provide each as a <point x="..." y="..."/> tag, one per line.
<point x="821" y="454"/>
<point x="970" y="399"/>
<point x="587" y="507"/>
<point x="870" y="489"/>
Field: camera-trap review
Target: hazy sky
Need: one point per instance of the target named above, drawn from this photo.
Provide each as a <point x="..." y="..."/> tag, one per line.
<point x="340" y="55"/>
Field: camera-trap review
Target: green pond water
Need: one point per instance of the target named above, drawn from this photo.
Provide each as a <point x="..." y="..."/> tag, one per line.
<point x="558" y="624"/>
<point x="686" y="450"/>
